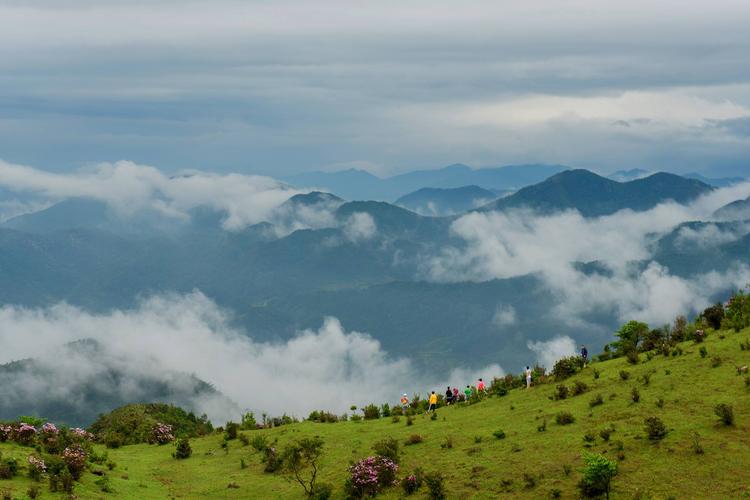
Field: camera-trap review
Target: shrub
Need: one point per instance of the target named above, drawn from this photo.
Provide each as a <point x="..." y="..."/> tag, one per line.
<point x="714" y="315"/>
<point x="567" y="367"/>
<point x="411" y="483"/>
<point x="271" y="459"/>
<point x="703" y="351"/>
<point x="624" y="374"/>
<point x="635" y="395"/>
<point x="370" y="476"/>
<point x="499" y="434"/>
<point x="259" y="442"/>
<point x="104" y="484"/>
<point x="230" y="431"/>
<point x="413" y="439"/>
<point x="435" y="486"/>
<point x="301" y="459"/>
<point x="589" y="437"/>
<point x="132" y="424"/>
<point x="632" y="357"/>
<point x="596" y="373"/>
<point x="555" y="493"/>
<point x="529" y="481"/>
<point x="715" y="362"/>
<point x="161" y="434"/>
<point x="387" y="448"/>
<point x="75" y="459"/>
<point x="725" y="413"/>
<point x="8" y="468"/>
<point x="321" y="491"/>
<point x="660" y="403"/>
<point x="646" y="378"/>
<point x="395" y="419"/>
<point x="243" y="439"/>
<point x="596" y="401"/>
<point x="542" y="427"/>
<point x="356" y="418"/>
<point x="183" y="450"/>
<point x="655" y="429"/>
<point x="597" y="476"/>
<point x="579" y="387"/>
<point x="696" y="444"/>
<point x="564" y="418"/>
<point x="409" y="420"/>
<point x="447" y="443"/>
<point x="561" y="392"/>
<point x="33" y="492"/>
<point x="371" y="412"/>
<point x="385" y="410"/>
<point x="605" y="433"/>
<point x="37" y="467"/>
<point x="248" y="422"/>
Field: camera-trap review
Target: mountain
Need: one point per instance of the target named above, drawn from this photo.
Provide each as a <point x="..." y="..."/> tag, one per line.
<point x="593" y="195"/>
<point x="715" y="182"/>
<point x="446" y="201"/>
<point x="360" y="185"/>
<point x="737" y="210"/>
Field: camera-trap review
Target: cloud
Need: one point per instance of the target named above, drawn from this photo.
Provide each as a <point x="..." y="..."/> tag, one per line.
<point x="548" y="352"/>
<point x="499" y="245"/>
<point x="328" y="368"/>
<point x="360" y="226"/>
<point x="505" y="315"/>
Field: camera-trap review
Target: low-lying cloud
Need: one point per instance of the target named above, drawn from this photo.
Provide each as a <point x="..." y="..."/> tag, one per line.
<point x="548" y="352"/>
<point x="329" y="368"/>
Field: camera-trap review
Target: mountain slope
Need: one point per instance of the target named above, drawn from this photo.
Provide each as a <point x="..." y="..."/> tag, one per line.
<point x="446" y="201"/>
<point x="593" y="195"/>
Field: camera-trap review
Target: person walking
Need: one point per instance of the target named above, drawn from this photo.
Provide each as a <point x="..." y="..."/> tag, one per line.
<point x="455" y="394"/>
<point x="433" y="402"/>
<point x="584" y="355"/>
<point x="480" y="386"/>
<point x="528" y="377"/>
<point x="448" y="396"/>
<point x="404" y="402"/>
<point x="467" y="393"/>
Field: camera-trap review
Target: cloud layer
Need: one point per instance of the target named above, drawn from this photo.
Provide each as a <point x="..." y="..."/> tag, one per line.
<point x="325" y="369"/>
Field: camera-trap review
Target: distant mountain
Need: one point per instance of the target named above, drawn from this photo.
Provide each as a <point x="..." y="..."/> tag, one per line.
<point x="629" y="175"/>
<point x="593" y="195"/>
<point x="715" y="182"/>
<point x="737" y="210"/>
<point x="360" y="185"/>
<point x="446" y="201"/>
<point x="89" y="382"/>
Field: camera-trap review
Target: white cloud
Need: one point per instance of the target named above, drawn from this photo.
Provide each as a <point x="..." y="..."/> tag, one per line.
<point x="548" y="352"/>
<point x="324" y="369"/>
<point x="505" y="315"/>
<point x="360" y="226"/>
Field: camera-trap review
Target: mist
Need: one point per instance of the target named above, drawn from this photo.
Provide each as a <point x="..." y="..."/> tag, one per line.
<point x="328" y="368"/>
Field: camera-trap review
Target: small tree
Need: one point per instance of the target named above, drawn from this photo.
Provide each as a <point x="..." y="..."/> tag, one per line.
<point x="597" y="476"/>
<point x="301" y="459"/>
<point x="630" y="335"/>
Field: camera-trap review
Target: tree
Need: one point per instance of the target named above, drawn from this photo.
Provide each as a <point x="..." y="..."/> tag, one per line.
<point x="630" y="335"/>
<point x="301" y="459"/>
<point x="597" y="476"/>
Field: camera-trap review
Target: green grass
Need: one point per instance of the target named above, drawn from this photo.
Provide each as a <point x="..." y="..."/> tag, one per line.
<point x="475" y="469"/>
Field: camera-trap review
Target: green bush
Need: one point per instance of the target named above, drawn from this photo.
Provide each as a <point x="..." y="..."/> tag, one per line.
<point x="259" y="442"/>
<point x="703" y="351"/>
<point x="561" y="392"/>
<point x="371" y="412"/>
<point x="596" y="401"/>
<point x="132" y="424"/>
<point x="579" y="387"/>
<point x="655" y="429"/>
<point x="388" y="448"/>
<point x="635" y="395"/>
<point x="567" y="367"/>
<point x="413" y="439"/>
<point x="606" y="433"/>
<point x="725" y="413"/>
<point x="597" y="476"/>
<point x="564" y="418"/>
<point x="624" y="374"/>
<point x="499" y="434"/>
<point x="183" y="450"/>
<point x="435" y="485"/>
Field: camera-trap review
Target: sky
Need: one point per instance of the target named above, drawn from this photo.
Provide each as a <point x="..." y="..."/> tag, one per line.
<point x="276" y="88"/>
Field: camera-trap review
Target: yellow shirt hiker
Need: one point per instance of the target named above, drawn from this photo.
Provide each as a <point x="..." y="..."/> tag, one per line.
<point x="433" y="402"/>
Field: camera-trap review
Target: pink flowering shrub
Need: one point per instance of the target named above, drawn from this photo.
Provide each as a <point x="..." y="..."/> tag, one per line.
<point x="370" y="476"/>
<point x="6" y="432"/>
<point x="161" y="434"/>
<point x="75" y="458"/>
<point x="49" y="438"/>
<point x="37" y="467"/>
<point x="25" y="434"/>
<point x="81" y="434"/>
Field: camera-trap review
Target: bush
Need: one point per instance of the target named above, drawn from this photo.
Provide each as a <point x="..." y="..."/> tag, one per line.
<point x="8" y="468"/>
<point x="301" y="459"/>
<point x="447" y="443"/>
<point x="624" y="374"/>
<point x="409" y="420"/>
<point x="542" y="427"/>
<point x="596" y="401"/>
<point x="161" y="434"/>
<point x="632" y="357"/>
<point x="370" y="476"/>
<point x="660" y="403"/>
<point x="715" y="362"/>
<point x="499" y="434"/>
<point x="605" y="434"/>
<point x="387" y="448"/>
<point x="579" y="387"/>
<point x="75" y="459"/>
<point x="655" y="429"/>
<point x="413" y="439"/>
<point x="725" y="413"/>
<point x="589" y="437"/>
<point x="395" y="419"/>
<point x="529" y="481"/>
<point x="259" y="442"/>
<point x="567" y="367"/>
<point x="714" y="316"/>
<point x="635" y="395"/>
<point x="322" y="491"/>
<point x="243" y="439"/>
<point x="371" y="412"/>
<point x="561" y="392"/>
<point x="435" y="486"/>
<point x="703" y="351"/>
<point x="646" y="378"/>
<point x="411" y="483"/>
<point x="271" y="459"/>
<point x="696" y="444"/>
<point x="132" y="424"/>
<point x="596" y="373"/>
<point x="183" y="450"/>
<point x="33" y="492"/>
<point x="597" y="476"/>
<point x="564" y="418"/>
<point x="230" y="431"/>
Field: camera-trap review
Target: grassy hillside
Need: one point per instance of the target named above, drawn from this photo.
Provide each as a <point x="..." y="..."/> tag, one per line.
<point x="527" y="463"/>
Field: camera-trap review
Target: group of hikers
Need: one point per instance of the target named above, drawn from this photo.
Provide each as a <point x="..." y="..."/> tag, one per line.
<point x="452" y="395"/>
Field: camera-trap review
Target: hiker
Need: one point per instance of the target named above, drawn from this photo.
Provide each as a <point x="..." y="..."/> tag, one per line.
<point x="467" y="392"/>
<point x="448" y="396"/>
<point x="528" y="377"/>
<point x="480" y="386"/>
<point x="433" y="402"/>
<point x="584" y="355"/>
<point x="455" y="394"/>
<point x="404" y="402"/>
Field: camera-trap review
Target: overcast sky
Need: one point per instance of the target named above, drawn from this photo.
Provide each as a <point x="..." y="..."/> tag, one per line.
<point x="278" y="87"/>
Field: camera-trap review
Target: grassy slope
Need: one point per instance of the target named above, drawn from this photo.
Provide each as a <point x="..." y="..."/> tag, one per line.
<point x="476" y="470"/>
